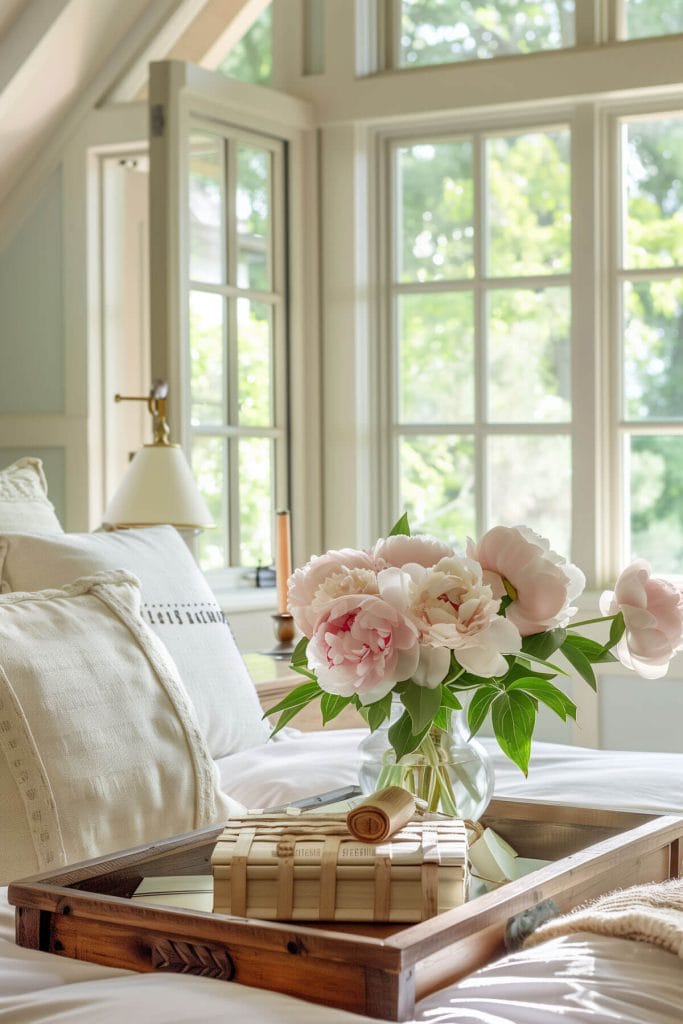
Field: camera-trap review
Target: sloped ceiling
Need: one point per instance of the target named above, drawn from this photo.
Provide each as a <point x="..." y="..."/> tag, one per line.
<point x="59" y="55"/>
<point x="49" y="52"/>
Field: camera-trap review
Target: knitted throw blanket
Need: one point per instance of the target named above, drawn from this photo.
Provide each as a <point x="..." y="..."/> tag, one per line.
<point x="649" y="913"/>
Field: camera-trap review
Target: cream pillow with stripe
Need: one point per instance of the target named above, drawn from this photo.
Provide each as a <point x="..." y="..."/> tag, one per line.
<point x="100" y="748"/>
<point x="177" y="603"/>
<point x="24" y="504"/>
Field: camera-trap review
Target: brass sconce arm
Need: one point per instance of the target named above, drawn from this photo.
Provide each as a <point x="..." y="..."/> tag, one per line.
<point x="156" y="403"/>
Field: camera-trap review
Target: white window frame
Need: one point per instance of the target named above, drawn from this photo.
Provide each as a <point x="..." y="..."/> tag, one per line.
<point x="598" y="428"/>
<point x="276" y="299"/>
<point x="356" y="112"/>
<point x="613" y="114"/>
<point x="479" y="285"/>
<point x="183" y="91"/>
<point x="389" y="48"/>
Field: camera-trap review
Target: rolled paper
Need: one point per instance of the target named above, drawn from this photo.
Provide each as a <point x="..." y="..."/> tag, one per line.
<point x="381" y="815"/>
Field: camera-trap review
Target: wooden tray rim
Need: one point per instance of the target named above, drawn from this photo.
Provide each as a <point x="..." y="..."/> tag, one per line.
<point x="52" y="892"/>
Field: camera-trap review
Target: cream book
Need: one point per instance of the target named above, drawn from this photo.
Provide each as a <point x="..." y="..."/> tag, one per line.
<point x="188" y="892"/>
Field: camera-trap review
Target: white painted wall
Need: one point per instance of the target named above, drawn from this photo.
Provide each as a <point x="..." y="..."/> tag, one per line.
<point x="32" y="340"/>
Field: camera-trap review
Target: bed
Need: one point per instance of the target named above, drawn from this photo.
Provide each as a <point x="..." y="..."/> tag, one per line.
<point x="128" y="714"/>
<point x="584" y="977"/>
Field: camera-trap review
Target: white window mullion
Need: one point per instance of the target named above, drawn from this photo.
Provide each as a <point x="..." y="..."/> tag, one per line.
<point x="590" y="535"/>
<point x="281" y="487"/>
<point x="481" y="508"/>
<point x="592" y="21"/>
<point x="389" y="235"/>
<point x="614" y="514"/>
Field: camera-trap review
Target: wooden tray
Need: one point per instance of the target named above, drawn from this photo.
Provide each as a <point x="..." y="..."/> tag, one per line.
<point x="85" y="912"/>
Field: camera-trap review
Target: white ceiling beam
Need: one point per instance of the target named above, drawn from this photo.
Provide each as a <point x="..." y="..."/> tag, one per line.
<point x="201" y="31"/>
<point x="129" y="85"/>
<point x="221" y="24"/>
<point x="22" y="175"/>
<point x="25" y="34"/>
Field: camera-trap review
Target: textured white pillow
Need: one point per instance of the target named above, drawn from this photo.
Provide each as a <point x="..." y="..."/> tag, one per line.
<point x="24" y="503"/>
<point x="100" y="749"/>
<point x="177" y="603"/>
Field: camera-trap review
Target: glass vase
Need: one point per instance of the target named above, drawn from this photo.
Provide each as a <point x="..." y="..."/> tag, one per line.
<point x="449" y="772"/>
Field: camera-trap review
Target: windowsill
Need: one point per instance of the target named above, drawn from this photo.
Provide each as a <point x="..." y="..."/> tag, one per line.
<point x="234" y="600"/>
<point x="235" y="594"/>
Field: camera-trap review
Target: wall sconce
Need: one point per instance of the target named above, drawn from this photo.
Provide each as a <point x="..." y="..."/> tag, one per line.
<point x="158" y="487"/>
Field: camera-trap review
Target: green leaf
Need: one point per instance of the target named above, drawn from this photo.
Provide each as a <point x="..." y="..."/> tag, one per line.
<point x="307" y="673"/>
<point x="299" y="660"/>
<point x="467" y="681"/>
<point x="378" y="712"/>
<point x="542" y="645"/>
<point x="442" y="719"/>
<point x="617" y="629"/>
<point x="331" y="705"/>
<point x="292" y="704"/>
<point x="422" y="705"/>
<point x="594" y="651"/>
<point x="402" y="737"/>
<point x="528" y="657"/>
<point x="513" y="715"/>
<point x="479" y="707"/>
<point x="449" y="700"/>
<point x="581" y="663"/>
<point x="297" y="698"/>
<point x="548" y="693"/>
<point x="455" y="672"/>
<point x="401" y="527"/>
<point x="299" y="656"/>
<point x="520" y="669"/>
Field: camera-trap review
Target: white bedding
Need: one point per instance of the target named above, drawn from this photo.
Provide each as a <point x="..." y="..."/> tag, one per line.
<point x="300" y="764"/>
<point x="583" y="979"/>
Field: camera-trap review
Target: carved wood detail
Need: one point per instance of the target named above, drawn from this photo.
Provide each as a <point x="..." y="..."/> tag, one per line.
<point x="190" y="958"/>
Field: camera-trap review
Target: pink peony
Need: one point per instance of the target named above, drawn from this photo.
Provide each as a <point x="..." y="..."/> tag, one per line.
<point x="401" y="550"/>
<point x="519" y="562"/>
<point x="305" y="583"/>
<point x="456" y="611"/>
<point x="653" y="613"/>
<point x="363" y="645"/>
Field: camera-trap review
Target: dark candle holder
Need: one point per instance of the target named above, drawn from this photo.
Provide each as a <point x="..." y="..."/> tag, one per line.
<point x="283" y="627"/>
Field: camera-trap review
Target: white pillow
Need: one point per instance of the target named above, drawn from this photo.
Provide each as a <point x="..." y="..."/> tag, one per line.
<point x="24" y="503"/>
<point x="99" y="746"/>
<point x="177" y="603"/>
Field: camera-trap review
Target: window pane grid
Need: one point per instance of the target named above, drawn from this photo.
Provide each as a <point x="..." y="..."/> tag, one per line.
<point x="446" y="329"/>
<point x="455" y="31"/>
<point x="648" y="18"/>
<point x="649" y="300"/>
<point x="238" y="396"/>
<point x="231" y="291"/>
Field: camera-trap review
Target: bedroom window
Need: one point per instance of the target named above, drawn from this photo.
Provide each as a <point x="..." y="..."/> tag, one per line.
<point x="495" y="410"/>
<point x="237" y="323"/>
<point x="647" y="18"/>
<point x="428" y="32"/>
<point x="480" y="326"/>
<point x="425" y="33"/>
<point x="650" y="305"/>
<point x="230" y="304"/>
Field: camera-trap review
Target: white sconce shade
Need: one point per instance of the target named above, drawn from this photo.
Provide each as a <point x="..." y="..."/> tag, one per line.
<point x="158" y="489"/>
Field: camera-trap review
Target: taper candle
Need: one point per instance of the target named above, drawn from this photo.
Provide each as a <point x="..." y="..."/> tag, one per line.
<point x="283" y="558"/>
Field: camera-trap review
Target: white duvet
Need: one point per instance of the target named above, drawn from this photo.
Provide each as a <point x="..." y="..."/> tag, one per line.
<point x="585" y="978"/>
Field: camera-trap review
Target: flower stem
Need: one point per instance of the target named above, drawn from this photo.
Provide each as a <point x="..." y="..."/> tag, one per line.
<point x="589" y="622"/>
